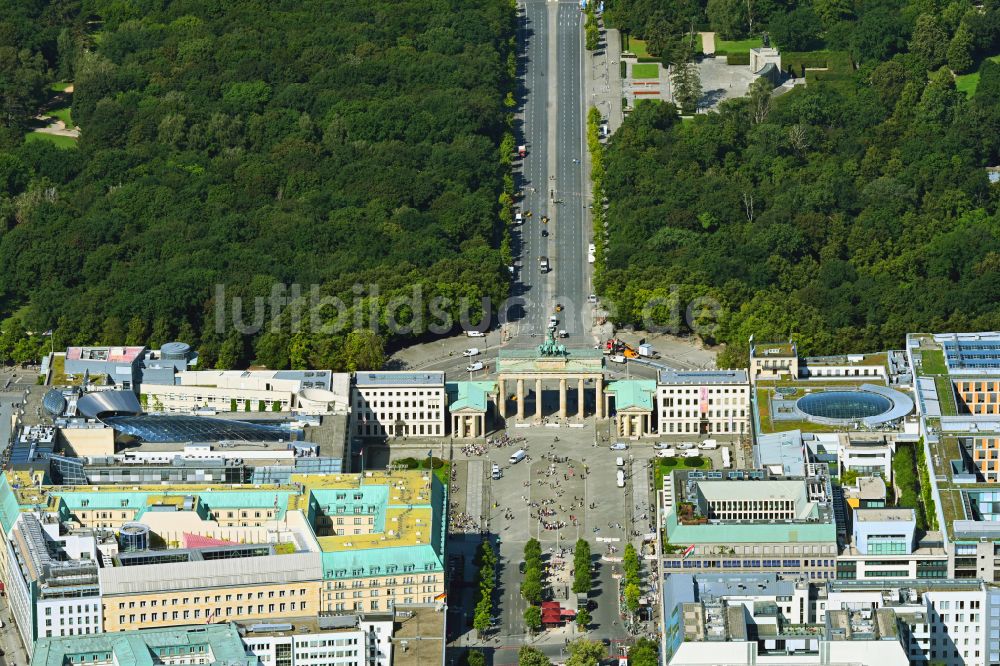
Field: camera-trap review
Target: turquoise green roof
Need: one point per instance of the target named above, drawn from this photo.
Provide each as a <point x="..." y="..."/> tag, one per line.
<point x="9" y="508"/>
<point x="749" y="532"/>
<point x="469" y="395"/>
<point x="146" y="647"/>
<point x="372" y="497"/>
<point x="376" y="561"/>
<point x="530" y="361"/>
<point x="212" y="500"/>
<point x="633" y="393"/>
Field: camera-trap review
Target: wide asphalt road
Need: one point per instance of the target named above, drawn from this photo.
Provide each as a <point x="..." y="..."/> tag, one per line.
<point x="570" y="234"/>
<point x="551" y="36"/>
<point x="530" y="284"/>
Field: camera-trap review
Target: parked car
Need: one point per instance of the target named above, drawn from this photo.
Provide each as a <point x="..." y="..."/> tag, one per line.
<point x="620" y="478"/>
<point x="709" y="445"/>
<point x="563" y="333"/>
<point x="471" y="351"/>
<point x="592" y="298"/>
<point x="619" y="462"/>
<point x="684" y="446"/>
<point x="478" y="365"/>
<point x="475" y="334"/>
<point x="666" y="453"/>
<point x="692" y="453"/>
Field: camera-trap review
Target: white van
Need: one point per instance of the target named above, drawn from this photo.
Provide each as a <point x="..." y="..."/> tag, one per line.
<point x="475" y="334"/>
<point x="496" y="473"/>
<point x="472" y="367"/>
<point x="619" y="462"/>
<point x="709" y="445"/>
<point x="620" y="476"/>
<point x="692" y="453"/>
<point x="666" y="453"/>
<point x="517" y="456"/>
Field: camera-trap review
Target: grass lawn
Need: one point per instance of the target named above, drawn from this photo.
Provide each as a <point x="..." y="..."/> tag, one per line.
<point x="60" y="141"/>
<point x="60" y="86"/>
<point x="645" y="71"/>
<point x="638" y="47"/>
<point x="59" y="371"/>
<point x="443" y="474"/>
<point x="723" y="47"/>
<point x="932" y="362"/>
<point x="666" y="465"/>
<point x="967" y="83"/>
<point x="63" y="114"/>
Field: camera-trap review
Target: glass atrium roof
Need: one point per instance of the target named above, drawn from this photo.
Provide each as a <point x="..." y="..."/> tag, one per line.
<point x="180" y="428"/>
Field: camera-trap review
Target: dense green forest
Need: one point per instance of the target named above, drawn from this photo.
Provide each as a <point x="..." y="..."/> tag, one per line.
<point x="844" y="213"/>
<point x="246" y="143"/>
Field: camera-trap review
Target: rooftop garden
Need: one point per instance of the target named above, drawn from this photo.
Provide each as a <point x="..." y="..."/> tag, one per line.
<point x="663" y="466"/>
<point x="932" y="362"/>
<point x="687" y="514"/>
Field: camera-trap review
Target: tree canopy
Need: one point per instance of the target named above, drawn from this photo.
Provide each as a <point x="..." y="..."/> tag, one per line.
<point x="844" y="213"/>
<point x="230" y="148"/>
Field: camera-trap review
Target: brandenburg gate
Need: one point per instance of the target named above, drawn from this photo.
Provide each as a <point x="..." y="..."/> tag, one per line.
<point x="550" y="361"/>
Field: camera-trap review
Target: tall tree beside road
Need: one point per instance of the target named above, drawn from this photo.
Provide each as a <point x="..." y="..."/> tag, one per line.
<point x="592" y="31"/>
<point x="532" y="656"/>
<point x="583" y="618"/>
<point x="531" y="586"/>
<point x="644" y="653"/>
<point x="533" y="618"/>
<point x="584" y="652"/>
<point x="632" y="594"/>
<point x="582" y="580"/>
<point x="364" y="349"/>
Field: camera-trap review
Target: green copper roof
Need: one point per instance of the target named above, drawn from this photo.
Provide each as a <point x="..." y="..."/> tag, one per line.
<point x="216" y="643"/>
<point x="469" y="395"/>
<point x="529" y="360"/>
<point x="633" y="393"/>
<point x="750" y="532"/>
<point x="9" y="508"/>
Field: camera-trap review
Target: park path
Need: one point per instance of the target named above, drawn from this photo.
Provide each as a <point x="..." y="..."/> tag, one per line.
<point x="707" y="42"/>
<point x="58" y="128"/>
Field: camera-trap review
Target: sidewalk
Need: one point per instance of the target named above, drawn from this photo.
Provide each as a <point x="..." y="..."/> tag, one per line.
<point x="602" y="80"/>
<point x="10" y="640"/>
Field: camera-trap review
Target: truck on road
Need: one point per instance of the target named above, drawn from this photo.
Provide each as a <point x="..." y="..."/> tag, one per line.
<point x="543" y="264"/>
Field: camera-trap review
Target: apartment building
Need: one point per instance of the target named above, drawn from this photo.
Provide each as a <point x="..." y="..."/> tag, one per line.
<point x="339" y="640"/>
<point x="170" y="646"/>
<point x="945" y="622"/>
<point x="758" y="619"/>
<point x="398" y="404"/>
<point x="322" y="544"/>
<point x="884" y="544"/>
<point x="773" y="360"/>
<point x="703" y="402"/>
